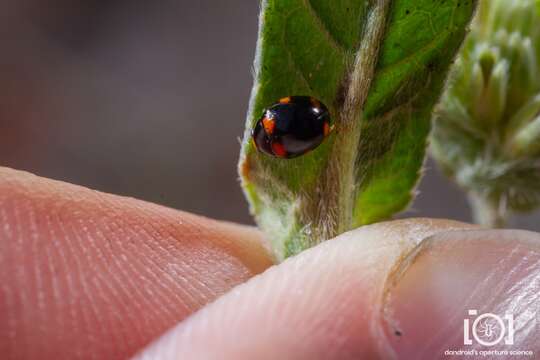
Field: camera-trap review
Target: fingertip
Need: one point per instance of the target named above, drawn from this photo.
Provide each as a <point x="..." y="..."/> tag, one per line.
<point x="454" y="277"/>
<point x="246" y="242"/>
<point x="322" y="304"/>
<point x="85" y="272"/>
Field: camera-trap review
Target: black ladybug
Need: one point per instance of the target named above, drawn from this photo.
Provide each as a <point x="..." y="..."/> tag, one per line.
<point x="292" y="127"/>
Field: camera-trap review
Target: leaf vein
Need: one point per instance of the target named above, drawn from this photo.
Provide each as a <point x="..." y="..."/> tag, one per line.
<point x="424" y="49"/>
<point x="292" y="63"/>
<point x="323" y="27"/>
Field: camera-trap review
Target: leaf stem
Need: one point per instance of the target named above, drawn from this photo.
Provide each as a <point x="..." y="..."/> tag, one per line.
<point x="330" y="212"/>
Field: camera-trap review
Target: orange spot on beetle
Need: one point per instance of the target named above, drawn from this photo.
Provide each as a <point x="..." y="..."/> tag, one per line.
<point x="279" y="149"/>
<point x="327" y="129"/>
<point x="285" y="100"/>
<point x="269" y="125"/>
<point x="316" y="103"/>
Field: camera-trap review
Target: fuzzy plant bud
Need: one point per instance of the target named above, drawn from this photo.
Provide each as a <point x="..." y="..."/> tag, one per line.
<point x="486" y="130"/>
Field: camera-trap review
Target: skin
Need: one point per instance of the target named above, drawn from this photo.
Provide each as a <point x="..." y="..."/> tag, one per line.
<point x="90" y="275"/>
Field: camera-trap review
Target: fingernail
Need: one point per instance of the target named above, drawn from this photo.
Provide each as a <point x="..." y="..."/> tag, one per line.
<point x="466" y="293"/>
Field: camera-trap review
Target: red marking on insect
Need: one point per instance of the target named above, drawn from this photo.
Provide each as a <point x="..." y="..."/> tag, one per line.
<point x="279" y="149"/>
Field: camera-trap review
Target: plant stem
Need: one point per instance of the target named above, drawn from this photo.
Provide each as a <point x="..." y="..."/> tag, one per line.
<point x="488" y="210"/>
<point x="330" y="213"/>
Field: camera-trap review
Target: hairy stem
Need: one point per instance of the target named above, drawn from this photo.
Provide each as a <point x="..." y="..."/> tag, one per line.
<point x="332" y="208"/>
<point x="489" y="211"/>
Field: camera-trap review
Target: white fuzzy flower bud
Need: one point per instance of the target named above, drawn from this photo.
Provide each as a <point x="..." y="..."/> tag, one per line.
<point x="487" y="126"/>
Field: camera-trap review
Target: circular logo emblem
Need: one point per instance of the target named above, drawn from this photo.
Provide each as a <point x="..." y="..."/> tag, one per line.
<point x="488" y="329"/>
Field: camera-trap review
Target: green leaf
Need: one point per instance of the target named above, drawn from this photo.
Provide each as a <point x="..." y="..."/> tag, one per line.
<point x="379" y="66"/>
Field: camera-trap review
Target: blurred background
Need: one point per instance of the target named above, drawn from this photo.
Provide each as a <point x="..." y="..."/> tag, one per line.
<point x="145" y="99"/>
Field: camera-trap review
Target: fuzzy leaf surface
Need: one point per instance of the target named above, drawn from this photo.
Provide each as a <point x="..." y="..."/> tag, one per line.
<point x="379" y="66"/>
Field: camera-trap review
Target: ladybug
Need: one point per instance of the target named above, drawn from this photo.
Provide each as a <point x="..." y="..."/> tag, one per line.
<point x="292" y="127"/>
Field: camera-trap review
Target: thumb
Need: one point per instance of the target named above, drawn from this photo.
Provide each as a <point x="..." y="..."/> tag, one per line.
<point x="371" y="293"/>
<point x="435" y="297"/>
